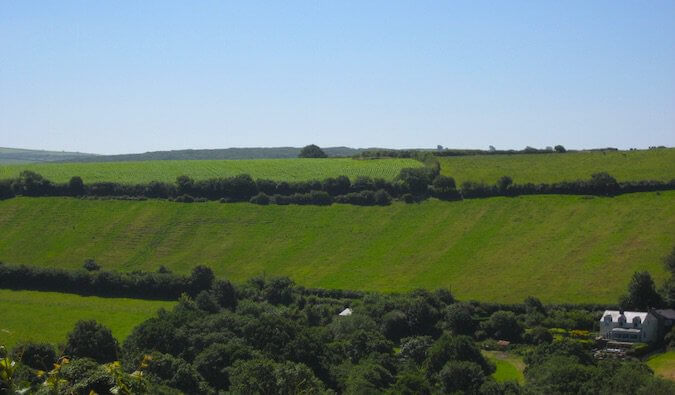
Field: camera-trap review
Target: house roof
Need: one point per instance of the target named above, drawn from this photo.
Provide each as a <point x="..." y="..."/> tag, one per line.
<point x="628" y="314"/>
<point x="668" y="314"/>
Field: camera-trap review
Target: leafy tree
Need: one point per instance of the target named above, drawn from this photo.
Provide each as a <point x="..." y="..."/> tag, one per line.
<point x="36" y="355"/>
<point x="225" y="293"/>
<point x="641" y="293"/>
<point x="89" y="339"/>
<point x="458" y="318"/>
<point x="184" y="185"/>
<point x="456" y="348"/>
<point x="201" y="279"/>
<point x="504" y="183"/>
<point x="76" y="186"/>
<point x="411" y="382"/>
<point x="461" y="376"/>
<point x="503" y="325"/>
<point x="312" y="151"/>
<point x="560" y="149"/>
<point x="395" y="325"/>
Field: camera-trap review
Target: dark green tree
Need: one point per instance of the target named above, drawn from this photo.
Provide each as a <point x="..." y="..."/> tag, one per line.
<point x="89" y="339"/>
<point x="312" y="151"/>
<point x="641" y="293"/>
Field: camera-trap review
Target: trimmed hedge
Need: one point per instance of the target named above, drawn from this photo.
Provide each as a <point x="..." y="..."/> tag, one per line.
<point x="144" y="285"/>
<point x="412" y="184"/>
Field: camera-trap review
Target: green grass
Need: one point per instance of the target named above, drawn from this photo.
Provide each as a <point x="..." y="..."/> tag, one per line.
<point x="658" y="164"/>
<point x="509" y="367"/>
<point x="168" y="170"/>
<point x="663" y="364"/>
<point x="49" y="316"/>
<point x="558" y="248"/>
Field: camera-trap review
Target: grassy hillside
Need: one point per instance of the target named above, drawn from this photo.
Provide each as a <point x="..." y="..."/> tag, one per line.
<point x="559" y="248"/>
<point x="17" y="155"/>
<point x="276" y="169"/>
<point x="663" y="364"/>
<point x="49" y="316"/>
<point x="219" y="154"/>
<point x="658" y="164"/>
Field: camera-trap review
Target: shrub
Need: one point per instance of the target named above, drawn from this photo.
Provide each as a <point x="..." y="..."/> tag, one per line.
<point x="184" y="199"/>
<point x="39" y="356"/>
<point x="91" y="265"/>
<point x="89" y="339"/>
<point x="261" y="199"/>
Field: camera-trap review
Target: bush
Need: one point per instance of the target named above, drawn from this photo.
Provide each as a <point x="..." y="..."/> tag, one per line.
<point x="90" y="265"/>
<point x="39" y="356"/>
<point x="184" y="199"/>
<point x="89" y="339"/>
<point x="261" y="199"/>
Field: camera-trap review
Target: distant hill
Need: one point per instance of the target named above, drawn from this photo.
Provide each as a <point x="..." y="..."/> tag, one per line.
<point x="17" y="155"/>
<point x="225" y="153"/>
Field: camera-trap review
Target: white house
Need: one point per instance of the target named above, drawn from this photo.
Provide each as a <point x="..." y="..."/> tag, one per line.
<point x="629" y="326"/>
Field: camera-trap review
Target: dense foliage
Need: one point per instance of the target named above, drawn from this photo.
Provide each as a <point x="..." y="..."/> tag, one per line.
<point x="412" y="184"/>
<point x="160" y="285"/>
<point x="270" y="336"/>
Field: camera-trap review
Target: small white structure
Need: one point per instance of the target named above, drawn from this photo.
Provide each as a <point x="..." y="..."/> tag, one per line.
<point x="346" y="312"/>
<point x="628" y="326"/>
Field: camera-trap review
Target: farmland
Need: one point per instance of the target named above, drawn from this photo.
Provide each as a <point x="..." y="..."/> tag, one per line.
<point x="657" y="164"/>
<point x="559" y="248"/>
<point x="275" y="169"/>
<point x="49" y="316"/>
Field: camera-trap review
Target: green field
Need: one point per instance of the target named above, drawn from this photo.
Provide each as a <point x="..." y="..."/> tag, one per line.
<point x="558" y="248"/>
<point x="658" y="164"/>
<point x="49" y="316"/>
<point x="509" y="366"/>
<point x="168" y="170"/>
<point x="663" y="364"/>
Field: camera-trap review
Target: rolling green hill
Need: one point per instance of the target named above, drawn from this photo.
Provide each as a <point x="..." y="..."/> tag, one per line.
<point x="276" y="169"/>
<point x="220" y="154"/>
<point x="18" y="156"/>
<point x="656" y="164"/>
<point x="49" y="316"/>
<point x="558" y="248"/>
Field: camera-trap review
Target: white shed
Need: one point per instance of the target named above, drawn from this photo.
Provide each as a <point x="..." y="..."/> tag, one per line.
<point x="346" y="312"/>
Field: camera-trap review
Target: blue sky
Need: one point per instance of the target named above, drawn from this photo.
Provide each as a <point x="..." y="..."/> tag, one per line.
<point x="130" y="76"/>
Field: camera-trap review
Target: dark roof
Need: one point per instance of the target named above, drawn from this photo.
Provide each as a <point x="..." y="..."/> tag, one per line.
<point x="668" y="314"/>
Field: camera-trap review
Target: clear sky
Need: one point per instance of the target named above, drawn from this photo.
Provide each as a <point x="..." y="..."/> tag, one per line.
<point x="134" y="76"/>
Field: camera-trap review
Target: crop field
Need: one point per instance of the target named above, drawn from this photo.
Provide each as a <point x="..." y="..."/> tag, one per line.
<point x="168" y="170"/>
<point x="559" y="248"/>
<point x="50" y="316"/>
<point x="657" y="164"/>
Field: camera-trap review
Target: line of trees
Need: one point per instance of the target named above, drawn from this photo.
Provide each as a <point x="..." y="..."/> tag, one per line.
<point x="412" y="184"/>
<point x="161" y="285"/>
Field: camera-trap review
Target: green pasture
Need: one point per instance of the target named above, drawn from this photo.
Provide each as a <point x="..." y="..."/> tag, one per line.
<point x="559" y="248"/>
<point x="663" y="364"/>
<point x="509" y="366"/>
<point x="168" y="170"/>
<point x="656" y="164"/>
<point x="50" y="316"/>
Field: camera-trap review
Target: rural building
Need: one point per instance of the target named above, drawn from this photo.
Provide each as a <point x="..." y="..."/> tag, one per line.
<point x="666" y="320"/>
<point x="629" y="326"/>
